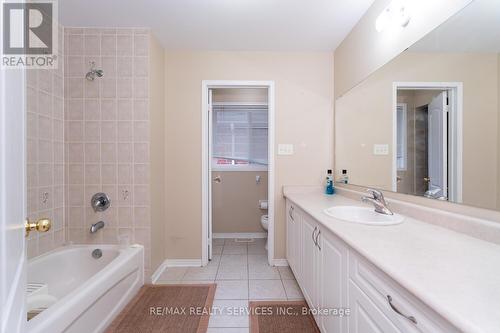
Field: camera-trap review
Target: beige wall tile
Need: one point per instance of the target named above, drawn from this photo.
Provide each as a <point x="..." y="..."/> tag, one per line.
<point x="124" y="45"/>
<point x="126" y="109"/>
<point x="108" y="45"/>
<point x="124" y="66"/>
<point x="106" y="149"/>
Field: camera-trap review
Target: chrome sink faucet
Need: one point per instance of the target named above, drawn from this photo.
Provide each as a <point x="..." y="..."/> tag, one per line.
<point x="378" y="200"/>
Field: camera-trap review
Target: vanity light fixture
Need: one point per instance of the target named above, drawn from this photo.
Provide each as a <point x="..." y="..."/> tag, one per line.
<point x="396" y="14"/>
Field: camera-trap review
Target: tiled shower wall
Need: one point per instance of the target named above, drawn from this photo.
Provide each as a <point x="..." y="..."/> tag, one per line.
<point x="45" y="154"/>
<point x="107" y="134"/>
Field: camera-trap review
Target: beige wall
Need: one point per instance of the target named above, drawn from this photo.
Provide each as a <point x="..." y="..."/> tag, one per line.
<point x="371" y="103"/>
<point x="235" y="201"/>
<point x="157" y="116"/>
<point x="304" y="105"/>
<point x="365" y="50"/>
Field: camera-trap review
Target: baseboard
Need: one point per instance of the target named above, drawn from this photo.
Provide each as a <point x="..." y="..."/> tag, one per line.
<point x="280" y="262"/>
<point x="174" y="263"/>
<point x="183" y="262"/>
<point x="158" y="272"/>
<point x="239" y="235"/>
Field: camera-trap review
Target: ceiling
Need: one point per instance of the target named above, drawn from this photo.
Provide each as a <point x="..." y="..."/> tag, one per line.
<point x="249" y="25"/>
<point x="476" y="28"/>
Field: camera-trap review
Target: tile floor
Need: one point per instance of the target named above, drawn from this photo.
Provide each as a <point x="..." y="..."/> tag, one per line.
<point x="242" y="274"/>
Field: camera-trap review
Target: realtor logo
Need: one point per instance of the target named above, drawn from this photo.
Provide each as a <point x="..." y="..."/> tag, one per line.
<point x="30" y="34"/>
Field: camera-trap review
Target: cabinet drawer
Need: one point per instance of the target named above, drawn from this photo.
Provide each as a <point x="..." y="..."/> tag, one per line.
<point x="366" y="317"/>
<point x="414" y="316"/>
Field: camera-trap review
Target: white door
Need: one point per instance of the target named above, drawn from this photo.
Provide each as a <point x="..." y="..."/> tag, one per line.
<point x="12" y="202"/>
<point x="438" y="146"/>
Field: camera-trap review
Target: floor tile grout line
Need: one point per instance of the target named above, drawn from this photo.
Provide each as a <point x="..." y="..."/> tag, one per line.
<point x="218" y="264"/>
<point x="284" y="289"/>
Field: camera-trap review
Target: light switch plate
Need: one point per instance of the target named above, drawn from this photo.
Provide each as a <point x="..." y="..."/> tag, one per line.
<point x="380" y="149"/>
<point x="285" y="149"/>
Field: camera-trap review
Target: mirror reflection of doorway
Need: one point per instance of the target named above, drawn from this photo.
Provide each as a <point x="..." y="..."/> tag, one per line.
<point x="423" y="142"/>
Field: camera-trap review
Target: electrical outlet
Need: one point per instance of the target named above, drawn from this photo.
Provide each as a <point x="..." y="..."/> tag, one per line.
<point x="380" y="149"/>
<point x="285" y="149"/>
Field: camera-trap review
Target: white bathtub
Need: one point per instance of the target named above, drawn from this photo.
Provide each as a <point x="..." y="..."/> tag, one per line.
<point x="88" y="292"/>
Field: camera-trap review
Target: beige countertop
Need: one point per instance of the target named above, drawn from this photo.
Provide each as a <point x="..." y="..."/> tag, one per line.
<point x="456" y="275"/>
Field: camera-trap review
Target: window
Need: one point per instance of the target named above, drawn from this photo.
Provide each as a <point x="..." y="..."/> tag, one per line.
<point x="240" y="136"/>
<point x="402" y="124"/>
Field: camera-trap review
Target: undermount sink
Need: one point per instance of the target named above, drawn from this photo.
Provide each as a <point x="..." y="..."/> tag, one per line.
<point x="363" y="215"/>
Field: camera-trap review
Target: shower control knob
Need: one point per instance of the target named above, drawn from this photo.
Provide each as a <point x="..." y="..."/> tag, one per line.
<point x="100" y="202"/>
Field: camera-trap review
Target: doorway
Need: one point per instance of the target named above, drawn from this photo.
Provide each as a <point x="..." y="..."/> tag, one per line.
<point x="427" y="159"/>
<point x="238" y="164"/>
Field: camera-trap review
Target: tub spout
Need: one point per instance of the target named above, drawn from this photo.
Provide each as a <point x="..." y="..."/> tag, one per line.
<point x="96" y="226"/>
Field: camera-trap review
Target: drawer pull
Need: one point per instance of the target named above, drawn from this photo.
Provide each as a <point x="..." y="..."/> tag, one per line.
<point x="290" y="213"/>
<point x="395" y="309"/>
<point x="314" y="238"/>
<point x="317" y="242"/>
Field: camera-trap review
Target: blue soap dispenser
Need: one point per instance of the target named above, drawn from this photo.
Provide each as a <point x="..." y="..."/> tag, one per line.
<point x="330" y="189"/>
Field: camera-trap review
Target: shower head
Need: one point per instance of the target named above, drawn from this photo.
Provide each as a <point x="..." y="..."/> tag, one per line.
<point x="93" y="73"/>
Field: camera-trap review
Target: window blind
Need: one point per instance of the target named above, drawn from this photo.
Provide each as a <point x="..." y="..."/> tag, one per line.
<point x="240" y="134"/>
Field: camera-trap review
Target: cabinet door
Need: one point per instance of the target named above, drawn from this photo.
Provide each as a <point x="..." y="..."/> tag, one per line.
<point x="309" y="255"/>
<point x="365" y="316"/>
<point x="332" y="281"/>
<point x="290" y="236"/>
<point x="293" y="240"/>
<point x="296" y="230"/>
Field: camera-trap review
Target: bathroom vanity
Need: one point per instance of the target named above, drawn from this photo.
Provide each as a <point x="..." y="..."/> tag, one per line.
<point x="409" y="277"/>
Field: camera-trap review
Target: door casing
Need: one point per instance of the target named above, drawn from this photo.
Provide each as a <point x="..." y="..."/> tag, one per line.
<point x="206" y="237"/>
<point x="455" y="95"/>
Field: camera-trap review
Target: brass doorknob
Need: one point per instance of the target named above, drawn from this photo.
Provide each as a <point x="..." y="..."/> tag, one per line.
<point x="427" y="180"/>
<point x="42" y="225"/>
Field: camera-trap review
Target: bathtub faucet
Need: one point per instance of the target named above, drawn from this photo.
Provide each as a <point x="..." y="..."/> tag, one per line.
<point x="96" y="226"/>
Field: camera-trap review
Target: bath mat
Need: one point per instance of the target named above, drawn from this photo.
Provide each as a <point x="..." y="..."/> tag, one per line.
<point x="167" y="308"/>
<point x="281" y="316"/>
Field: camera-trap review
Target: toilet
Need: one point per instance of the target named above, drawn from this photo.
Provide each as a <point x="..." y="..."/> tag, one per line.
<point x="264" y="222"/>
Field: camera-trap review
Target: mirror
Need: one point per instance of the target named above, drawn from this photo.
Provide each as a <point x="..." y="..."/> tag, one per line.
<point x="428" y="122"/>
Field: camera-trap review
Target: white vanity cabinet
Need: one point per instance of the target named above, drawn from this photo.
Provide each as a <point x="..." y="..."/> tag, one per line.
<point x="323" y="268"/>
<point x="293" y="237"/>
<point x="333" y="276"/>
